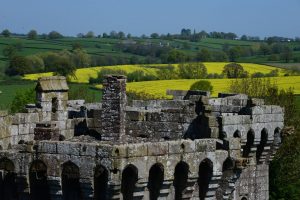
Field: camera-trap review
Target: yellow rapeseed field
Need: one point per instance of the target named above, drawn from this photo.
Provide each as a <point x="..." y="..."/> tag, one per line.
<point x="83" y="75"/>
<point x="158" y="88"/>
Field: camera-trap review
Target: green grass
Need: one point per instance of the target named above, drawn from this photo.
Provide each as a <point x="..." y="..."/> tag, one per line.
<point x="298" y="102"/>
<point x="9" y="91"/>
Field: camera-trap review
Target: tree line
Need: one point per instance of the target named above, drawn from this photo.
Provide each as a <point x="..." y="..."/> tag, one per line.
<point x="185" y="34"/>
<point x="191" y="70"/>
<point x="143" y="52"/>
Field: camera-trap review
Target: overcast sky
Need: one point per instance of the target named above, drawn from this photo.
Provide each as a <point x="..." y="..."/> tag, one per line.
<point x="70" y="17"/>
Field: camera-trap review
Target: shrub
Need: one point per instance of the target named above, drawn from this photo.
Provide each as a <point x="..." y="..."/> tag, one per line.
<point x="21" y="99"/>
<point x="139" y="75"/>
<point x="167" y="73"/>
<point x="202" y="85"/>
<point x="273" y="73"/>
<point x="258" y="75"/>
<point x="214" y="75"/>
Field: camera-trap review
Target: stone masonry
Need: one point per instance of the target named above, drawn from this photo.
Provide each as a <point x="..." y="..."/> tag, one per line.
<point x="191" y="147"/>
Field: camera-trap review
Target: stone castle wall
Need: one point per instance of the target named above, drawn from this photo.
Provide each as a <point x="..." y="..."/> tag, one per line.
<point x="191" y="147"/>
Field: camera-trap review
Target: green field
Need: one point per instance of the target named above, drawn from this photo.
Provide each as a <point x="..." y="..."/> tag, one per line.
<point x="82" y="75"/>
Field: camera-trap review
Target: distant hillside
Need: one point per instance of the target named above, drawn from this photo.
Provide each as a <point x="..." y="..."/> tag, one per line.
<point x="108" y="51"/>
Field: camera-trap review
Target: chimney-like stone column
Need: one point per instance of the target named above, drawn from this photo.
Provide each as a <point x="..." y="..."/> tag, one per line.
<point x="113" y="107"/>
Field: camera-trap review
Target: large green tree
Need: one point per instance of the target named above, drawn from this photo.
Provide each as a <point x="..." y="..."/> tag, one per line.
<point x="54" y="35"/>
<point x="32" y="34"/>
<point x="203" y="55"/>
<point x="9" y="51"/>
<point x="234" y="53"/>
<point x="234" y="70"/>
<point x="286" y="54"/>
<point x="192" y="70"/>
<point x="18" y="65"/>
<point x="6" y="33"/>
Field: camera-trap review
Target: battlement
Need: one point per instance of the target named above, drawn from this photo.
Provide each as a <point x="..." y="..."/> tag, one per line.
<point x="191" y="147"/>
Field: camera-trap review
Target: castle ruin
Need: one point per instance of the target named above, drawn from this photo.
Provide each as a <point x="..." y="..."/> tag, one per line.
<point x="191" y="147"/>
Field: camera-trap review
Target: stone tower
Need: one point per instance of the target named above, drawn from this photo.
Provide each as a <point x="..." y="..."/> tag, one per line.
<point x="113" y="107"/>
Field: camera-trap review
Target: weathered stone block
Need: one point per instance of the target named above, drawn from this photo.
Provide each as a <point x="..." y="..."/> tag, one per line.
<point x="120" y="151"/>
<point x="136" y="115"/>
<point x="156" y="149"/>
<point x="205" y="145"/>
<point x="88" y="150"/>
<point x="69" y="148"/>
<point x="137" y="150"/>
<point x="47" y="147"/>
<point x="23" y="129"/>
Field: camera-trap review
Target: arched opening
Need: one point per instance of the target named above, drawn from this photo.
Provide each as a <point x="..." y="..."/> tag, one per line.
<point x="277" y="137"/>
<point x="227" y="175"/>
<point x="54" y="105"/>
<point x="262" y="144"/>
<point x="156" y="179"/>
<point x="38" y="181"/>
<point x="237" y="134"/>
<point x="249" y="143"/>
<point x="129" y="179"/>
<point x="100" y="183"/>
<point x="204" y="177"/>
<point x="8" y="187"/>
<point x="244" y="198"/>
<point x="180" y="179"/>
<point x="81" y="128"/>
<point x="70" y="181"/>
<point x="222" y="135"/>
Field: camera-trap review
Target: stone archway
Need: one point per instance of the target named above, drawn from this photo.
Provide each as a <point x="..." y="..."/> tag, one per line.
<point x="180" y="179"/>
<point x="237" y="134"/>
<point x="204" y="177"/>
<point x="100" y="183"/>
<point x="38" y="181"/>
<point x="8" y="186"/>
<point x="156" y="179"/>
<point x="277" y="137"/>
<point x="262" y="144"/>
<point x="70" y="181"/>
<point x="225" y="184"/>
<point x="249" y="143"/>
<point x="129" y="180"/>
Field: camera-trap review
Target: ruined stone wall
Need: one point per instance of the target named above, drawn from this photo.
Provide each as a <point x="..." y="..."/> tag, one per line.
<point x="115" y="159"/>
<point x="191" y="147"/>
<point x="17" y="128"/>
<point x="160" y="119"/>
